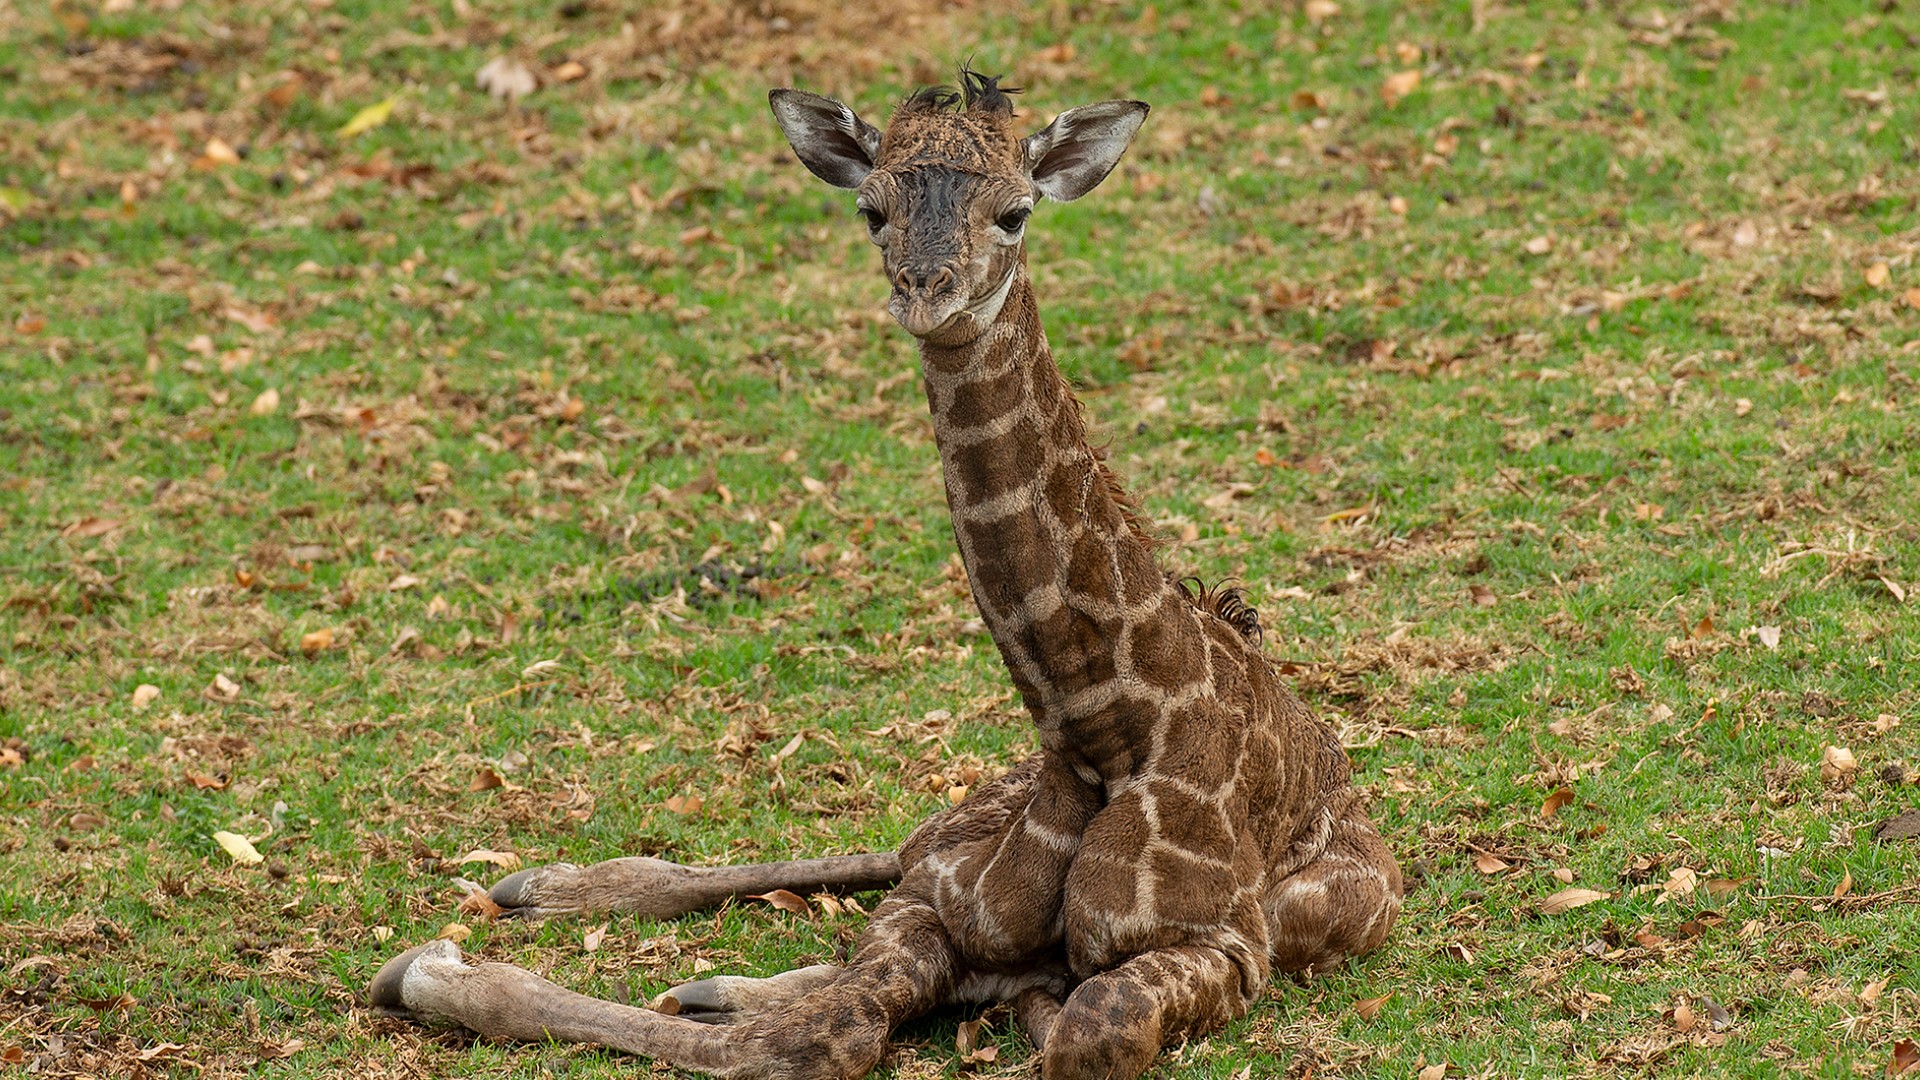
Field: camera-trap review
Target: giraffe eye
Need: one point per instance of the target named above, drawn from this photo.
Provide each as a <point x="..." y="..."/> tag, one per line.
<point x="1012" y="220"/>
<point x="875" y="219"/>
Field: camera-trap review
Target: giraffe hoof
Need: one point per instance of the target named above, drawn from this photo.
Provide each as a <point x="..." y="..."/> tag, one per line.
<point x="384" y="992"/>
<point x="702" y="1000"/>
<point x="528" y="894"/>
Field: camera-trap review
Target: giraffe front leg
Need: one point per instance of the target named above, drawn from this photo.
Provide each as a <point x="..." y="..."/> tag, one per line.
<point x="1114" y="1024"/>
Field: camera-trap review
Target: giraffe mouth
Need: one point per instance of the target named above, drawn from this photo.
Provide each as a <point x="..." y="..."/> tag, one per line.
<point x="922" y="314"/>
<point x="952" y="310"/>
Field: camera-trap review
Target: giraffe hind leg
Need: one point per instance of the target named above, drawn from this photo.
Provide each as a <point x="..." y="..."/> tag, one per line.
<point x="1342" y="904"/>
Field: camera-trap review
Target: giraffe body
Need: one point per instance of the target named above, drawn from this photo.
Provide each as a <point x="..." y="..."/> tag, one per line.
<point x="1187" y="826"/>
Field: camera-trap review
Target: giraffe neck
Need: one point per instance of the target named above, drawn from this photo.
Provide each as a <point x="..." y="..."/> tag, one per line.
<point x="1065" y="582"/>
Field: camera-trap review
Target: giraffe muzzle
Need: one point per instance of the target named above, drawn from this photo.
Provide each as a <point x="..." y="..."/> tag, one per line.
<point x="924" y="300"/>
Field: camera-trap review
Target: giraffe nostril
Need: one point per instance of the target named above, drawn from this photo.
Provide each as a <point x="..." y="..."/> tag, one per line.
<point x="941" y="280"/>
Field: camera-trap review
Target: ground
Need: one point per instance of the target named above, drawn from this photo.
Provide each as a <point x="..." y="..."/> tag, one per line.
<point x="411" y="471"/>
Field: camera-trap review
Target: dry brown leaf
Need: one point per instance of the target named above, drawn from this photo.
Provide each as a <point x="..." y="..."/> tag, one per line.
<point x="505" y="860"/>
<point x="316" y="641"/>
<point x="266" y="404"/>
<point x="218" y="153"/>
<point x="1878" y="275"/>
<point x="457" y="932"/>
<point x="1568" y="899"/>
<point x="1539" y="245"/>
<point x="1906" y="1058"/>
<point x="590" y="941"/>
<point x="1683" y="1018"/>
<point x="1482" y="596"/>
<point x="785" y="901"/>
<point x="570" y="71"/>
<point x="1837" y="763"/>
<point x="1319" y="11"/>
<point x="1555" y="801"/>
<point x="1436" y="1071"/>
<point x="1490" y="864"/>
<point x="1768" y="635"/>
<point x="144" y="695"/>
<point x="1845" y="886"/>
<point x="1398" y="85"/>
<point x="89" y="527"/>
<point x="1368" y="1008"/>
<point x="506" y="79"/>
<point x="685" y="804"/>
<point x="1701" y="629"/>
<point x="223" y="689"/>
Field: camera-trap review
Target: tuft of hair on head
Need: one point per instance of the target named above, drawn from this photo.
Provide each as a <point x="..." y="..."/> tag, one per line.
<point x="1225" y="602"/>
<point x="984" y="92"/>
<point x="931" y="99"/>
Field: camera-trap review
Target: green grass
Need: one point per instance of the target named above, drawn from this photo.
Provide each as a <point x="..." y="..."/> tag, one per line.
<point x="1538" y="386"/>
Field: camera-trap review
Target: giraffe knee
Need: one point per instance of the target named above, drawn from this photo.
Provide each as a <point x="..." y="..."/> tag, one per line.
<point x="1108" y="1030"/>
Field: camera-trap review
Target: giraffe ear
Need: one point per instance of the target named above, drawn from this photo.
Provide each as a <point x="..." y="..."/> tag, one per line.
<point x="1069" y="157"/>
<point x="833" y="143"/>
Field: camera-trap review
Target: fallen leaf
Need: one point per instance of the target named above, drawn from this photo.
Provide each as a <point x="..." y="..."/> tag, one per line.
<point x="570" y="71"/>
<point x="505" y="860"/>
<point x="223" y="689"/>
<point x="1436" y="1071"/>
<point x="1398" y="85"/>
<point x="1490" y="864"/>
<point x="590" y="941"/>
<point x="404" y="582"/>
<point x="506" y="79"/>
<point x="1878" y="275"/>
<point x="89" y="527"/>
<point x="144" y="695"/>
<point x="1845" y="886"/>
<point x="1555" y="801"/>
<point x="455" y="932"/>
<point x="1683" y="1018"/>
<point x="1768" y="635"/>
<point x="1568" y="899"/>
<point x="685" y="804"/>
<point x="1837" y="763"/>
<point x="316" y="641"/>
<point x="216" y="154"/>
<point x="383" y="934"/>
<point x="258" y="322"/>
<point x="1906" y="1058"/>
<point x="368" y="118"/>
<point x="207" y="783"/>
<point x="785" y="901"/>
<point x="266" y="404"/>
<point x="1368" y="1008"/>
<point x="1539" y="245"/>
<point x="1871" y="992"/>
<point x="1913" y="297"/>
<point x="1319" y="11"/>
<point x="1701" y="629"/>
<point x="239" y="847"/>
<point x="1483" y="596"/>
<point x="1681" y="881"/>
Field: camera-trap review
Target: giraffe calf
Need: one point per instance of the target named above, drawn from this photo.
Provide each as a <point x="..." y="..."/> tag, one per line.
<point x="1187" y="826"/>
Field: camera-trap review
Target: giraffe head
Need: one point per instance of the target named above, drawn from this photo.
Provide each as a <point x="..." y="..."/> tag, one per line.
<point x="946" y="190"/>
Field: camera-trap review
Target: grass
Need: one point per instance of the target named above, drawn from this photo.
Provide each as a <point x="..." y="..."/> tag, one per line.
<point x="1531" y="405"/>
